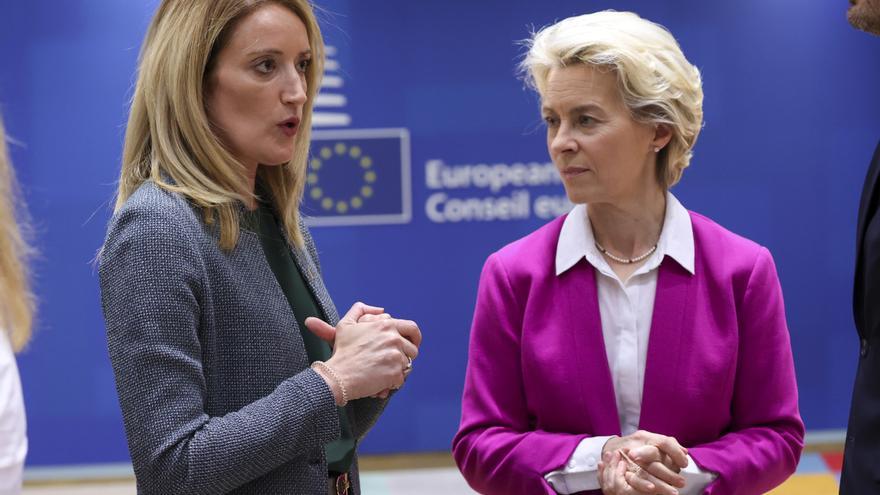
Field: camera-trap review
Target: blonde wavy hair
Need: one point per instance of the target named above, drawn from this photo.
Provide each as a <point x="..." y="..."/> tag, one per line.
<point x="656" y="81"/>
<point x="16" y="299"/>
<point x="169" y="134"/>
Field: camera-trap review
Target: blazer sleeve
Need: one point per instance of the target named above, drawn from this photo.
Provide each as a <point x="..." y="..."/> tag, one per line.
<point x="363" y="413"/>
<point x="153" y="290"/>
<point x="496" y="448"/>
<point x="766" y="436"/>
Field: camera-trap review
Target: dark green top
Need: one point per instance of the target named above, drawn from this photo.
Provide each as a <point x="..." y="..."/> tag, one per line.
<point x="302" y="302"/>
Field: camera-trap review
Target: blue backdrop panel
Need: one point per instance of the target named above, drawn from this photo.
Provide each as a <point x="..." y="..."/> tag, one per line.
<point x="457" y="168"/>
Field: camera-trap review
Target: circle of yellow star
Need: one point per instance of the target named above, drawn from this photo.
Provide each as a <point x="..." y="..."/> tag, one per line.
<point x="341" y="150"/>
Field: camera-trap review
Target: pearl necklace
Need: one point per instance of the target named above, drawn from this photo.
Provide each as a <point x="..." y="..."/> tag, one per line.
<point x="625" y="261"/>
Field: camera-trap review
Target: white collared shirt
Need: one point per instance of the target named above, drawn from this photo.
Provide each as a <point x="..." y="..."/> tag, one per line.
<point x="13" y="442"/>
<point x="625" y="309"/>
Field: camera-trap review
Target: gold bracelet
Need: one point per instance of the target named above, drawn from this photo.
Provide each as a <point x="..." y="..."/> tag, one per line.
<point x="336" y="378"/>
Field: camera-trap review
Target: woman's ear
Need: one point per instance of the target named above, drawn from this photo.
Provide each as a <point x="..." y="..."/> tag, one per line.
<point x="662" y="136"/>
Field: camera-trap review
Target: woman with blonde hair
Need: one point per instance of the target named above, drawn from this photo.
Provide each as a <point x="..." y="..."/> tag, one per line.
<point x="630" y="346"/>
<point x="210" y="281"/>
<point x="16" y="313"/>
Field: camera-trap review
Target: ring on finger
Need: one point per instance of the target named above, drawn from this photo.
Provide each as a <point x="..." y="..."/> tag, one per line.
<point x="631" y="465"/>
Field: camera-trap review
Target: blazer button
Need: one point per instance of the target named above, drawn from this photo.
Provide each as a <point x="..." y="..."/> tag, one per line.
<point x="863" y="351"/>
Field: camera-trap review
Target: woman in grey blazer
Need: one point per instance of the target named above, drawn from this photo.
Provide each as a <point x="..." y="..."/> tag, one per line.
<point x="234" y="372"/>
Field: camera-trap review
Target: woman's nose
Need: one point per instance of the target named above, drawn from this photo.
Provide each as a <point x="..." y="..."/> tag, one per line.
<point x="294" y="91"/>
<point x="561" y="141"/>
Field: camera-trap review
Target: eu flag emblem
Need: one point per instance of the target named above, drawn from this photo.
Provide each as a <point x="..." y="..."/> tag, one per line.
<point x="358" y="176"/>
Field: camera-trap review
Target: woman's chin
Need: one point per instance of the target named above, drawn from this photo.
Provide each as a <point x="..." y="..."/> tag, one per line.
<point x="276" y="161"/>
<point x="579" y="197"/>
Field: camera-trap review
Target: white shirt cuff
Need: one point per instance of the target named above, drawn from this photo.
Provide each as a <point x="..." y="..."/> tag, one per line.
<point x="580" y="472"/>
<point x="696" y="480"/>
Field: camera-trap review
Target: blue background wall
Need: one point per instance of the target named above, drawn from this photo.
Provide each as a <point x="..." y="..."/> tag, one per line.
<point x="792" y="117"/>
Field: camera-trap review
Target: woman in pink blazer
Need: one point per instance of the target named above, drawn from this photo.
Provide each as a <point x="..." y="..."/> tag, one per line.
<point x="630" y="346"/>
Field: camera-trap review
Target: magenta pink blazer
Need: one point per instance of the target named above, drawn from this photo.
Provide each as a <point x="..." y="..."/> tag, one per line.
<point x="719" y="375"/>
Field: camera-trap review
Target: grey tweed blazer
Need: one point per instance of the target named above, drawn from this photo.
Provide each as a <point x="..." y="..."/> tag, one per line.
<point x="213" y="379"/>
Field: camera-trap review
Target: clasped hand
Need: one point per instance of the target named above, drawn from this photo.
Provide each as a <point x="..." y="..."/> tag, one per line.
<point x="642" y="463"/>
<point x="372" y="352"/>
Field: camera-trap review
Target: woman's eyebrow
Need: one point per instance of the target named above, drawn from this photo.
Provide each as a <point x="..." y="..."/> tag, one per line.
<point x="275" y="51"/>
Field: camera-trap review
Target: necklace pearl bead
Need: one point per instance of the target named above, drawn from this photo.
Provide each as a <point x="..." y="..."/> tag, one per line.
<point x="625" y="261"/>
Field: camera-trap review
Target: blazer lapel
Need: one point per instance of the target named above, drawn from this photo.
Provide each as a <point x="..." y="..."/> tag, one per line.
<point x="669" y="325"/>
<point x="582" y="307"/>
<point x="313" y="279"/>
<point x="316" y="284"/>
<point x="868" y="193"/>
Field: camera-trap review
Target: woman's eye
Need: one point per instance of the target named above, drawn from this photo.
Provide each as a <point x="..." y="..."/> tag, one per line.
<point x="550" y="121"/>
<point x="586" y="120"/>
<point x="304" y="64"/>
<point x="266" y="66"/>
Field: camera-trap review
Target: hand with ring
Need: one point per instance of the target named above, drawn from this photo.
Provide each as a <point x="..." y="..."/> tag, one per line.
<point x="371" y="352"/>
<point x="643" y="462"/>
<point x="406" y="369"/>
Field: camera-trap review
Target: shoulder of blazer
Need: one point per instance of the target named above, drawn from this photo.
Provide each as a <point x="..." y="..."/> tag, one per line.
<point x="533" y="256"/>
<point x="151" y="203"/>
<point x="723" y="255"/>
<point x="152" y="197"/>
<point x="151" y="210"/>
<point x="708" y="232"/>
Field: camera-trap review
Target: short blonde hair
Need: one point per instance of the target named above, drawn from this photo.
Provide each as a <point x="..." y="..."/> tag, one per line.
<point x="657" y="83"/>
<point x="16" y="300"/>
<point x="169" y="134"/>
